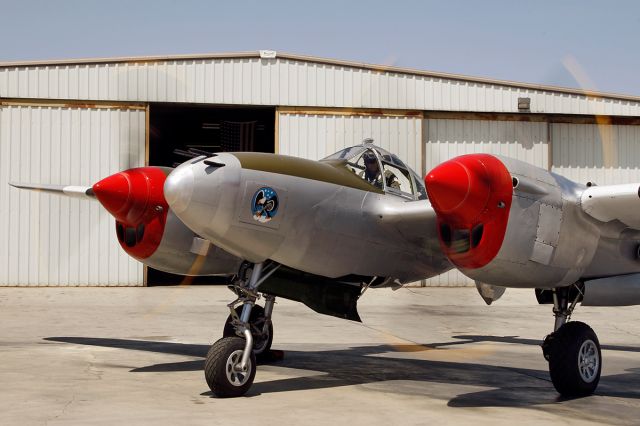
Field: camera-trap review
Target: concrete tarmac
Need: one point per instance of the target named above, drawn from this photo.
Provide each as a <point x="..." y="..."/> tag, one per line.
<point x="422" y="356"/>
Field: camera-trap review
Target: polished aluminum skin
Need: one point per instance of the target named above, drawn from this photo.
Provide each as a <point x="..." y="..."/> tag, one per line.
<point x="320" y="227"/>
<point x="182" y="252"/>
<point x="551" y="241"/>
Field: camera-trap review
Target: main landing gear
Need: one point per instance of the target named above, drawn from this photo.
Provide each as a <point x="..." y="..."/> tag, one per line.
<point x="230" y="366"/>
<point x="573" y="350"/>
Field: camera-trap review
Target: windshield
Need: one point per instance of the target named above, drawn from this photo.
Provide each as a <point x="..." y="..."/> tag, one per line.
<point x="421" y="190"/>
<point x="381" y="169"/>
<point x="347" y="153"/>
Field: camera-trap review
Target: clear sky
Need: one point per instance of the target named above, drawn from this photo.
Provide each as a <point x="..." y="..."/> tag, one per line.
<point x="568" y="43"/>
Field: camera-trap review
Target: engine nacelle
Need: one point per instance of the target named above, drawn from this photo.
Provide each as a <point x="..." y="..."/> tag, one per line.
<point x="621" y="290"/>
<point x="508" y="223"/>
<point x="151" y="233"/>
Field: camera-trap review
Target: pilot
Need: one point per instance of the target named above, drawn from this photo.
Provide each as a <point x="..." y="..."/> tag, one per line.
<point x="371" y="172"/>
<point x="372" y="169"/>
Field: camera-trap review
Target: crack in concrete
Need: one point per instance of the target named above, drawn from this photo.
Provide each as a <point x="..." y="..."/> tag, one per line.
<point x="62" y="412"/>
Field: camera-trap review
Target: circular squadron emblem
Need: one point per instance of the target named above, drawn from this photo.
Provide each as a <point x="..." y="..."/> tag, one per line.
<point x="264" y="205"/>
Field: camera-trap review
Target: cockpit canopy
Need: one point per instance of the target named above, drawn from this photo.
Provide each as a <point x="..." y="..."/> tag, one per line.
<point x="382" y="169"/>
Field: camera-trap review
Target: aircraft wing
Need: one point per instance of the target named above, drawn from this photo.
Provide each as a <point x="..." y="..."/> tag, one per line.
<point x="417" y="222"/>
<point x="611" y="202"/>
<point x="69" y="190"/>
<point x="409" y="214"/>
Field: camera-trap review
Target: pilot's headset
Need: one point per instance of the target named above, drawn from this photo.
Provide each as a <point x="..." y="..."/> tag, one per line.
<point x="369" y="157"/>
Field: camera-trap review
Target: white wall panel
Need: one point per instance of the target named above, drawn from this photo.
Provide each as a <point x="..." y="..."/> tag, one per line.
<point x="315" y="136"/>
<point x="288" y="82"/>
<point x="605" y="154"/>
<point x="53" y="240"/>
<point x="448" y="138"/>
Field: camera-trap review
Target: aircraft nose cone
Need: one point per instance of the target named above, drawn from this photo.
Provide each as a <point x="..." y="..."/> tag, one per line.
<point x="132" y="195"/>
<point x="448" y="186"/>
<point x="113" y="193"/>
<point x="471" y="196"/>
<point x="459" y="188"/>
<point x="178" y="188"/>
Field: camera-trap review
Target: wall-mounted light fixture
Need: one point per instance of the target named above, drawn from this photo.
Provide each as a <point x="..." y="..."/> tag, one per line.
<point x="524" y="104"/>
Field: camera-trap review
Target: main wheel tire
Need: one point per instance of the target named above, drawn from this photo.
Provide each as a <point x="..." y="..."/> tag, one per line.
<point x="222" y="378"/>
<point x="575" y="359"/>
<point x="261" y="344"/>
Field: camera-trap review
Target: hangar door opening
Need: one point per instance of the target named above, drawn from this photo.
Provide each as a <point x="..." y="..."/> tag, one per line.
<point x="209" y="128"/>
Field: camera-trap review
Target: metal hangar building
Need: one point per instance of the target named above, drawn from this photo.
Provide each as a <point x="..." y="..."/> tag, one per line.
<point x="74" y="122"/>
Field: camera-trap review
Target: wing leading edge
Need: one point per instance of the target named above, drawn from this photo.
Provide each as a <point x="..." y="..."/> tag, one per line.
<point x="611" y="202"/>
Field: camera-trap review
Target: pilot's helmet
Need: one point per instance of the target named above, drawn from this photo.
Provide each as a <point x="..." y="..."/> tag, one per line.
<point x="369" y="157"/>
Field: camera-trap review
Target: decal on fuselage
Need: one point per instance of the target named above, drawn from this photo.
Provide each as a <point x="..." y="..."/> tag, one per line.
<point x="264" y="204"/>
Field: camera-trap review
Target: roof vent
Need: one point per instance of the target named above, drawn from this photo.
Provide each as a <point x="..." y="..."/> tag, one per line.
<point x="268" y="54"/>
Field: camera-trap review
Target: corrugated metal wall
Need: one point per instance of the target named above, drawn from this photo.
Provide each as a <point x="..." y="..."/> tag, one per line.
<point x="66" y="230"/>
<point x="604" y="154"/>
<point x="286" y="82"/>
<point x="315" y="136"/>
<point x="448" y="138"/>
<point x="52" y="240"/>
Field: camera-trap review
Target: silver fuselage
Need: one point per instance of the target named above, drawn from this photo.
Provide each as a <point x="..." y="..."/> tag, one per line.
<point x="326" y="223"/>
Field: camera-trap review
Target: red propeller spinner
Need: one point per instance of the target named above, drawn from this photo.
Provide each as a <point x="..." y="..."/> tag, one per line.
<point x="135" y="198"/>
<point x="471" y="195"/>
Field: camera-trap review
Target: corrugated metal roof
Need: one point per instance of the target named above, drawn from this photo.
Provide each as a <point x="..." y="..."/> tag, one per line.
<point x="315" y="59"/>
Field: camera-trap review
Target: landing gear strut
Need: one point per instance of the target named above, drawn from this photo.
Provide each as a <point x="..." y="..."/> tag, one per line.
<point x="259" y="322"/>
<point x="230" y="366"/>
<point x="573" y="350"/>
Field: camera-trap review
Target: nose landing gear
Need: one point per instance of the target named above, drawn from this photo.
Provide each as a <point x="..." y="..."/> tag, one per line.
<point x="230" y="366"/>
<point x="259" y="323"/>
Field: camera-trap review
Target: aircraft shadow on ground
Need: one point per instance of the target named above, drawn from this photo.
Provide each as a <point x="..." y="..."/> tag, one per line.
<point x="510" y="387"/>
<point x="465" y="339"/>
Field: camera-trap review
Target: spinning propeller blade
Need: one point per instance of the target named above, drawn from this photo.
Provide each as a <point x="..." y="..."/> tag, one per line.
<point x="70" y="190"/>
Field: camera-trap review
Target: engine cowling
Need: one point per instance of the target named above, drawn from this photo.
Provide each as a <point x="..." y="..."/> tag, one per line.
<point x="508" y="223"/>
<point x="150" y="232"/>
<point x="134" y="198"/>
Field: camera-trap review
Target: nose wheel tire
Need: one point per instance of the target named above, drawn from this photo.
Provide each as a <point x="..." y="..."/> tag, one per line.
<point x="575" y="359"/>
<point x="262" y="338"/>
<point x="222" y="371"/>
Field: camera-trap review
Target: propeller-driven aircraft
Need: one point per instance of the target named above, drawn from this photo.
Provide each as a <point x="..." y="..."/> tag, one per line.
<point x="323" y="232"/>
